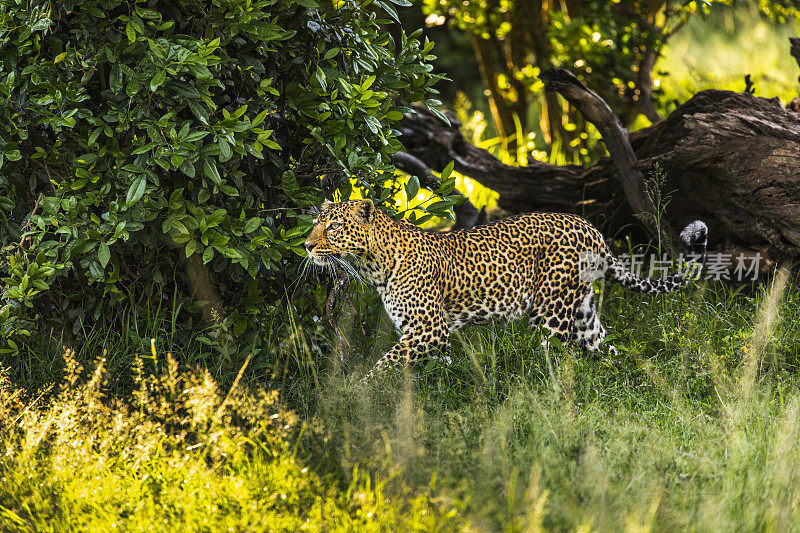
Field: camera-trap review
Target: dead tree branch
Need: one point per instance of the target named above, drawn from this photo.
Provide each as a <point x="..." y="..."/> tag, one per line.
<point x="794" y="105"/>
<point x="555" y="188"/>
<point x="732" y="158"/>
<point x="615" y="137"/>
<point x="644" y="83"/>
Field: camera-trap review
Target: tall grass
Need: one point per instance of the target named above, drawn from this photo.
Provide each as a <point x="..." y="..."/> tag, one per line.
<point x="177" y="453"/>
<point x="695" y="425"/>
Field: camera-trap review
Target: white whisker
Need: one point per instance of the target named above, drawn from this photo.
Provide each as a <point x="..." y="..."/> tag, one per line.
<point x="348" y="268"/>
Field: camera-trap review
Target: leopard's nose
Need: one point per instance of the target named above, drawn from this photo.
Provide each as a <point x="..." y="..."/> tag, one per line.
<point x="309" y="247"/>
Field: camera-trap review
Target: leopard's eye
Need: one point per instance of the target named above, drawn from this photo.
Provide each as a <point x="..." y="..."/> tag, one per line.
<point x="333" y="226"/>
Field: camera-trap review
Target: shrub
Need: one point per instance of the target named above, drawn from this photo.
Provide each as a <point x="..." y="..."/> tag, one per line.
<point x="142" y="139"/>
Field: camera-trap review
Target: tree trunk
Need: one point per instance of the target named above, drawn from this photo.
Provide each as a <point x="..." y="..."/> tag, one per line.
<point x="501" y="114"/>
<point x="730" y="159"/>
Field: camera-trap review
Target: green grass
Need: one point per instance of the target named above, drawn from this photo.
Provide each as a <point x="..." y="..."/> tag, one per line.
<point x="717" y="51"/>
<point x="177" y="454"/>
<point x="675" y="434"/>
<point x="695" y="425"/>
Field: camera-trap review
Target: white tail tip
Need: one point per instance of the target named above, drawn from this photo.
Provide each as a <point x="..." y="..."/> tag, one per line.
<point x="695" y="233"/>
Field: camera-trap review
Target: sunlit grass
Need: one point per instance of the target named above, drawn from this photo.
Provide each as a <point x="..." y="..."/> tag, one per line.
<point x="694" y="425"/>
<point x="670" y="436"/>
<point x="177" y="454"/>
<point x="717" y="52"/>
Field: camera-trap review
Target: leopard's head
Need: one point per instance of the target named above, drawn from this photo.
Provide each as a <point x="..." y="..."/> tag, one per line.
<point x="341" y="229"/>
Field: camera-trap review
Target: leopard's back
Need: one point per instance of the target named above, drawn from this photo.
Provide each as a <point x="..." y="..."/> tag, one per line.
<point x="499" y="270"/>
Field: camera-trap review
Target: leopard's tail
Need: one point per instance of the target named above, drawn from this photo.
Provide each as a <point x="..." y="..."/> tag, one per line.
<point x="694" y="236"/>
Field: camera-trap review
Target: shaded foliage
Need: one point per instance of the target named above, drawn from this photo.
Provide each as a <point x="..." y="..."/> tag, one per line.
<point x="141" y="140"/>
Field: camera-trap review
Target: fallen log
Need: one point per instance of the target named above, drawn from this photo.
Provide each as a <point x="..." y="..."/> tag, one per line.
<point x="731" y="159"/>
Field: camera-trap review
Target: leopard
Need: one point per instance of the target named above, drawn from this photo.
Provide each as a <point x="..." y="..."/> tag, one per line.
<point x="538" y="265"/>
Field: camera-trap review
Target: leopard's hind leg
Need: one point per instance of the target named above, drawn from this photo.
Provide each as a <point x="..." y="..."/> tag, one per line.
<point x="556" y="318"/>
<point x="590" y="331"/>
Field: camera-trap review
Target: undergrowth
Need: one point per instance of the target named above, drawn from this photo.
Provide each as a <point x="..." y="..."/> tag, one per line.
<point x="696" y="424"/>
<point x="177" y="453"/>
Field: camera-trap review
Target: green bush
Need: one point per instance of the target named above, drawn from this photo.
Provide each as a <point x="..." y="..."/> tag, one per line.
<point x="141" y="139"/>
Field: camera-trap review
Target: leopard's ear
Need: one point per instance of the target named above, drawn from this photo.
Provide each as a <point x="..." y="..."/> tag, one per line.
<point x="317" y="209"/>
<point x="365" y="210"/>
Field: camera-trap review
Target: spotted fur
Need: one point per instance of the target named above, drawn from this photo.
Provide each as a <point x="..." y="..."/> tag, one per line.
<point x="539" y="265"/>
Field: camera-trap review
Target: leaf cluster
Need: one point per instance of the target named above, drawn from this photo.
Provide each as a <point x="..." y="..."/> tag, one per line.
<point x="142" y="142"/>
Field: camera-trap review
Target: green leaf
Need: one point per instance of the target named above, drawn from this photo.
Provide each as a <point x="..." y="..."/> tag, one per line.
<point x="388" y="8"/>
<point x="157" y="50"/>
<point x="176" y="196"/>
<point x="412" y="187"/>
<point x="271" y="144"/>
<point x="208" y="254"/>
<point x="227" y="189"/>
<point x="241" y="111"/>
<point x="130" y="32"/>
<point x="6" y="204"/>
<point x="439" y="207"/>
<point x="447" y="170"/>
<point x="253" y="224"/>
<point x="224" y="149"/>
<point x="188" y="168"/>
<point x="210" y="170"/>
<point x="216" y="218"/>
<point x="320" y="76"/>
<point x="191" y="246"/>
<point x="94" y="135"/>
<point x="195" y="136"/>
<point x="95" y="270"/>
<point x="184" y="131"/>
<point x="103" y="254"/>
<point x="239" y="326"/>
<point x="41" y="24"/>
<point x="439" y="114"/>
<point x="373" y="123"/>
<point x="143" y="149"/>
<point x="259" y="118"/>
<point x="133" y="87"/>
<point x="115" y="77"/>
<point x="136" y="190"/>
<point x="289" y="183"/>
<point x="157" y="80"/>
<point x="198" y="110"/>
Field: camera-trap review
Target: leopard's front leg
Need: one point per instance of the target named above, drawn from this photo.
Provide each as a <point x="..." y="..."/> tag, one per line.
<point x="416" y="343"/>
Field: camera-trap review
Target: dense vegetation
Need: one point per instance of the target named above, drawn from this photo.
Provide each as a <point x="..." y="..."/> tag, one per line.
<point x="697" y="424"/>
<point x="140" y="141"/>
